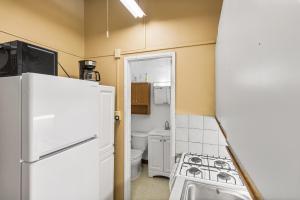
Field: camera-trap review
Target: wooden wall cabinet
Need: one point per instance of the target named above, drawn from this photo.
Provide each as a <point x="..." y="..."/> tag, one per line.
<point x="140" y="98"/>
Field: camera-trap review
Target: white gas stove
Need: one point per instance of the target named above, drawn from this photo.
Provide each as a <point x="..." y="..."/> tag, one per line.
<point x="210" y="161"/>
<point x="214" y="170"/>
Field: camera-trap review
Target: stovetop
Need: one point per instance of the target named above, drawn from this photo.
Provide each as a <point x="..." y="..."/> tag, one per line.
<point x="210" y="161"/>
<point x="209" y="168"/>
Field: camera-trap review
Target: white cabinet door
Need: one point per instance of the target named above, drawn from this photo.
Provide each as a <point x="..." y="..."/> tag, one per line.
<point x="107" y="108"/>
<point x="56" y="112"/>
<point x="156" y="153"/>
<point x="107" y="178"/>
<point x="167" y="159"/>
<point x="68" y="175"/>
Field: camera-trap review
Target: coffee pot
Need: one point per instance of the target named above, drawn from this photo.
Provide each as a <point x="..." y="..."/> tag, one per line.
<point x="87" y="70"/>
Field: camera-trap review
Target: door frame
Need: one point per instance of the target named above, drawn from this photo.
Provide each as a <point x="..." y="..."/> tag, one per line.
<point x="127" y="113"/>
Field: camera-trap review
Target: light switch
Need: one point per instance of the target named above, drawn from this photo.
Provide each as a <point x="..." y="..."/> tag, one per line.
<point x="117" y="53"/>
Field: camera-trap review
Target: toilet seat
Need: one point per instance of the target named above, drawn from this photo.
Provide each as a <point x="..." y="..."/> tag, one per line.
<point x="139" y="134"/>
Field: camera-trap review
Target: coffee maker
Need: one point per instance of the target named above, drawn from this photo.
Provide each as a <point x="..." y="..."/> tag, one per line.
<point x="87" y="70"/>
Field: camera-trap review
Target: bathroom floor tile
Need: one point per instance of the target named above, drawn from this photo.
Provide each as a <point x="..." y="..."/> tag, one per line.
<point x="146" y="188"/>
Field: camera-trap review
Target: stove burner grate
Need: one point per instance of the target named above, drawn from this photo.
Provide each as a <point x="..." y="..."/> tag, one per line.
<point x="196" y="160"/>
<point x="221" y="163"/>
<point x="195" y="171"/>
<point x="210" y="168"/>
<point x="226" y="177"/>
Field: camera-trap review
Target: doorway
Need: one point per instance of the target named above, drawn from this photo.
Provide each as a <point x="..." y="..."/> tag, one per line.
<point x="129" y="63"/>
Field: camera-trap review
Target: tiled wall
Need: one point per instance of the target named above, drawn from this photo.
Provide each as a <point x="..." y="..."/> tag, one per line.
<point x="199" y="134"/>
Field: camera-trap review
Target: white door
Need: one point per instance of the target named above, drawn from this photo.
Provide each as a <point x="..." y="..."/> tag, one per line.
<point x="167" y="156"/>
<point x="106" y="175"/>
<point x="107" y="108"/>
<point x="56" y="112"/>
<point x="155" y="153"/>
<point x="71" y="174"/>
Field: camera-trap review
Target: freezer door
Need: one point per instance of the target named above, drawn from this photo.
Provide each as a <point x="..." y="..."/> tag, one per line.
<point x="72" y="174"/>
<point x="56" y="112"/>
<point x="107" y="108"/>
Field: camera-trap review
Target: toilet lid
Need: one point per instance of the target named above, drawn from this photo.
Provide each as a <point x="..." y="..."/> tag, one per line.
<point x="135" y="153"/>
<point x="139" y="134"/>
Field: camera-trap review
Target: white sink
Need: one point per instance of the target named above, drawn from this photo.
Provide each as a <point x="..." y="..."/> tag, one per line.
<point x="198" y="191"/>
<point x="160" y="132"/>
<point x="185" y="189"/>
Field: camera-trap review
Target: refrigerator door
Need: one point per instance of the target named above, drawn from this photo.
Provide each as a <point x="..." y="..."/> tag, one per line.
<point x="106" y="174"/>
<point x="71" y="174"/>
<point x="56" y="112"/>
<point x="107" y="121"/>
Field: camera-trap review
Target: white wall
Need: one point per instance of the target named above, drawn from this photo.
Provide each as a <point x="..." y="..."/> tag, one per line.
<point x="158" y="70"/>
<point x="258" y="91"/>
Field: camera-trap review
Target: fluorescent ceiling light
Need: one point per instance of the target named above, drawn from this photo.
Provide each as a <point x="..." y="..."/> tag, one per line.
<point x="133" y="8"/>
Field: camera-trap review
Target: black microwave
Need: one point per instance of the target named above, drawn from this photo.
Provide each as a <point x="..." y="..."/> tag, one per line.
<point x="17" y="57"/>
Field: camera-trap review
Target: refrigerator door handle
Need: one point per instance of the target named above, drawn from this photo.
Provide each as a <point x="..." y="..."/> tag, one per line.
<point x="61" y="150"/>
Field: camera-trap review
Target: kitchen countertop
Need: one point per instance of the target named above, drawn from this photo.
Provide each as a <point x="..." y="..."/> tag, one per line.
<point x="177" y="188"/>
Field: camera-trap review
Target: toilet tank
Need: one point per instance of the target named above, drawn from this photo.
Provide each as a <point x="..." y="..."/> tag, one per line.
<point x="139" y="140"/>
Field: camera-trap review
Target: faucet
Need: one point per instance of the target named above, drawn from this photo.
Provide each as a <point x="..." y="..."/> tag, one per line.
<point x="167" y="125"/>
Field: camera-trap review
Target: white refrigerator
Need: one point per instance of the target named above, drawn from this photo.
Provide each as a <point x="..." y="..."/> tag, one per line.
<point x="106" y="142"/>
<point x="48" y="138"/>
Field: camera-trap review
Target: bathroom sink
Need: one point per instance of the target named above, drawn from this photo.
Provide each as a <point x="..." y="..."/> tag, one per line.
<point x="197" y="191"/>
<point x="160" y="132"/>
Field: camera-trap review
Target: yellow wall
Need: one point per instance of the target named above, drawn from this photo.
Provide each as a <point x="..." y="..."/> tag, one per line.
<point x="54" y="24"/>
<point x="187" y="27"/>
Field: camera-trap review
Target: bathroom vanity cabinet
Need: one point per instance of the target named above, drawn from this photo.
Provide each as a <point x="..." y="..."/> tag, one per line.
<point x="159" y="155"/>
<point x="140" y="98"/>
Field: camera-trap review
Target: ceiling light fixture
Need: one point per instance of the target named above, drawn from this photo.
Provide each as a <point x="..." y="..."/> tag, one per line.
<point x="133" y="8"/>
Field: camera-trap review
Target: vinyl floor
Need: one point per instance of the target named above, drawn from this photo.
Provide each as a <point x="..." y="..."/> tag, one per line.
<point x="146" y="188"/>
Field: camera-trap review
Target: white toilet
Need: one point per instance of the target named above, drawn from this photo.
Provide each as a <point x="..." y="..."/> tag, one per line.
<point x="139" y="142"/>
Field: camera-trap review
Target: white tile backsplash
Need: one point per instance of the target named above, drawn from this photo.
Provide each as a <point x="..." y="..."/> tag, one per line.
<point x="223" y="152"/>
<point x="182" y="134"/>
<point x="210" y="149"/>
<point x="182" y="121"/>
<point x="210" y="137"/>
<point x="195" y="147"/>
<point x="222" y="140"/>
<point x="182" y="147"/>
<point x="210" y="123"/>
<point x="199" y="134"/>
<point x="195" y="135"/>
<point x="196" y="121"/>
